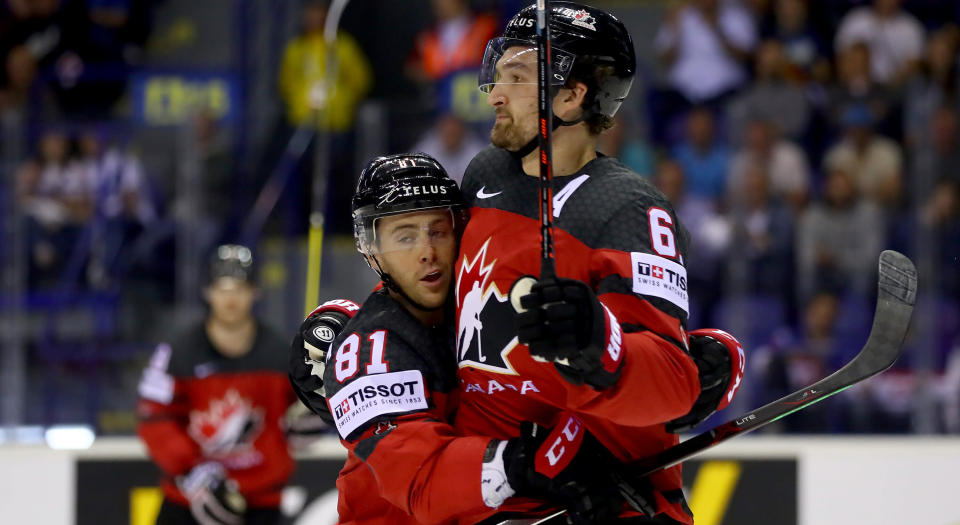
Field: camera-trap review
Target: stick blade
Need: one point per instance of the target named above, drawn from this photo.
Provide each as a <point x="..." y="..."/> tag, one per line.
<point x="896" y="297"/>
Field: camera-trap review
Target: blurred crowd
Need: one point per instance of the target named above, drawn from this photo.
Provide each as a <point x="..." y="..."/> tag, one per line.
<point x="796" y="140"/>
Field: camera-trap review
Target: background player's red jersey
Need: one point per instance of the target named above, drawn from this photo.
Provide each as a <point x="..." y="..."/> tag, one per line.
<point x="197" y="405"/>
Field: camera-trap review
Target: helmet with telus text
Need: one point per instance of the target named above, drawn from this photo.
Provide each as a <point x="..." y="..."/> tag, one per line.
<point x="404" y="183"/>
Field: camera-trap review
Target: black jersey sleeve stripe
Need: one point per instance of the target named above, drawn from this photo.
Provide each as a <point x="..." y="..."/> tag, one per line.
<point x="632" y="328"/>
<point x="624" y="285"/>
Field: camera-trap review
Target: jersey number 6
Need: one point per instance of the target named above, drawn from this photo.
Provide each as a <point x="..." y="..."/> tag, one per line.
<point x="348" y="358"/>
<point x="661" y="236"/>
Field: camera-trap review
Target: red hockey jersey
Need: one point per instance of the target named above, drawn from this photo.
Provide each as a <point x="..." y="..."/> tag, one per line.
<point x="391" y="387"/>
<point x="197" y="405"/>
<point x="614" y="231"/>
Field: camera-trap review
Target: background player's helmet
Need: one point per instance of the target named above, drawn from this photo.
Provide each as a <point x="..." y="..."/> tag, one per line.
<point x="231" y="260"/>
<point x="583" y="39"/>
<point x="400" y="184"/>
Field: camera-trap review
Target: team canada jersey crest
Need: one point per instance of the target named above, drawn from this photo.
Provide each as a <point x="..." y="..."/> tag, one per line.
<point x="228" y="427"/>
<point x="481" y="304"/>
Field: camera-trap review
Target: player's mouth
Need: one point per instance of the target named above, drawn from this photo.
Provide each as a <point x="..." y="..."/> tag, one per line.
<point x="432" y="279"/>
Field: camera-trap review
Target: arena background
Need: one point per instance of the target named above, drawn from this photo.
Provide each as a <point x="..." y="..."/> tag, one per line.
<point x="793" y="160"/>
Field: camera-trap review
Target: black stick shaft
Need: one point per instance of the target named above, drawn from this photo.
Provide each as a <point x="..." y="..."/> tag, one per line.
<point x="545" y="121"/>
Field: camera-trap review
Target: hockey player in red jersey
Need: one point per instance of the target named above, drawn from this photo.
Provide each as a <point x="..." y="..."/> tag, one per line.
<point x="389" y="380"/>
<point x="209" y="407"/>
<point x="606" y="339"/>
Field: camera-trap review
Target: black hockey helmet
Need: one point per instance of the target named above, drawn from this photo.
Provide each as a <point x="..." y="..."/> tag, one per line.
<point x="403" y="183"/>
<point x="581" y="36"/>
<point x="231" y="260"/>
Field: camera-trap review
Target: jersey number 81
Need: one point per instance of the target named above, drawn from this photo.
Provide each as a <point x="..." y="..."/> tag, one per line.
<point x="347" y="360"/>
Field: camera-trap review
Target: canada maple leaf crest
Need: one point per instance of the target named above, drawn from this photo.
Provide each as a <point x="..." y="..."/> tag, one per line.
<point x="229" y="425"/>
<point x="584" y="19"/>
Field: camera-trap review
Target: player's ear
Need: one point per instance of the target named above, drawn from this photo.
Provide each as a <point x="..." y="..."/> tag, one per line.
<point x="569" y="101"/>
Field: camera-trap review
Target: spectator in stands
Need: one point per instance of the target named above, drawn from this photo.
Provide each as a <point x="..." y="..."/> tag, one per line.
<point x="936" y="85"/>
<point x="803" y="48"/>
<point x="446" y="59"/>
<point x="839" y="239"/>
<point x="876" y="162"/>
<point x="709" y="232"/>
<point x="20" y="70"/>
<point x="705" y="158"/>
<point x="311" y="103"/>
<point x="453" y="43"/>
<point x="856" y="85"/>
<point x="122" y="199"/>
<point x="762" y="229"/>
<point x="625" y="142"/>
<point x="57" y="199"/>
<point x="772" y="95"/>
<point x="704" y="45"/>
<point x="938" y="157"/>
<point x="303" y="75"/>
<point x="453" y="143"/>
<point x="939" y="226"/>
<point x="782" y="161"/>
<point x="789" y="363"/>
<point x="894" y="36"/>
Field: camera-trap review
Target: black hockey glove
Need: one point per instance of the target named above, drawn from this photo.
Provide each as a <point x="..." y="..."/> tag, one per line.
<point x="563" y="322"/>
<point x="720" y="362"/>
<point x="214" y="499"/>
<point x="562" y="465"/>
<point x="308" y="352"/>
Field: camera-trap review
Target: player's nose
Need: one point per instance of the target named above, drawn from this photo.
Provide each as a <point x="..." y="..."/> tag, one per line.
<point x="496" y="96"/>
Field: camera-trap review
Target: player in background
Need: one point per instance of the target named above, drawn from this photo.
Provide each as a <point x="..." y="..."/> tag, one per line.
<point x="607" y="339"/>
<point x="390" y="384"/>
<point x="210" y="407"/>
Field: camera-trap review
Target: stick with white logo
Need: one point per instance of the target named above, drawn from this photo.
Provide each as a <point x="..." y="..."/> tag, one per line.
<point x="897" y="295"/>
<point x="545" y="124"/>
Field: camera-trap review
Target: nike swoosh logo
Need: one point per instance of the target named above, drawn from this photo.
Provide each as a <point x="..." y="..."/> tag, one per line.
<point x="482" y="195"/>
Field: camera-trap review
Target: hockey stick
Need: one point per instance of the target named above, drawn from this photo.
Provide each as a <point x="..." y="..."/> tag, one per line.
<point x="321" y="163"/>
<point x="545" y="125"/>
<point x="897" y="293"/>
<point x="544" y="115"/>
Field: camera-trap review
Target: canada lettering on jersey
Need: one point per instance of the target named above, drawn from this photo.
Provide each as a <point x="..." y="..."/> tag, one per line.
<point x="475" y="347"/>
<point x="493" y="387"/>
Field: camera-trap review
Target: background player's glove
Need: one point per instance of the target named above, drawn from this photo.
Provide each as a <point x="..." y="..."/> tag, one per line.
<point x="308" y="352"/>
<point x="720" y="362"/>
<point x="560" y="465"/>
<point x="562" y="321"/>
<point x="302" y="426"/>
<point x="214" y="499"/>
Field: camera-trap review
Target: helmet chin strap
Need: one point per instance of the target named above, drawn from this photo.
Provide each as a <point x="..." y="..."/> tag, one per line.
<point x="535" y="141"/>
<point x="392" y="285"/>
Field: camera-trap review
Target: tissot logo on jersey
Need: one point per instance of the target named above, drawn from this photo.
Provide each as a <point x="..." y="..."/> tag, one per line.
<point x="659" y="277"/>
<point x="375" y="395"/>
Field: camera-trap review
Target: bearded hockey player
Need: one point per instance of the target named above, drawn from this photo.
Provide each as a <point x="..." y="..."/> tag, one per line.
<point x="210" y="403"/>
<point x="606" y="339"/>
<point x="389" y="379"/>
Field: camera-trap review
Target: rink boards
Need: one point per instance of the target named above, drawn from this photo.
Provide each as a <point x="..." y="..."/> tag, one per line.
<point x="782" y="481"/>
